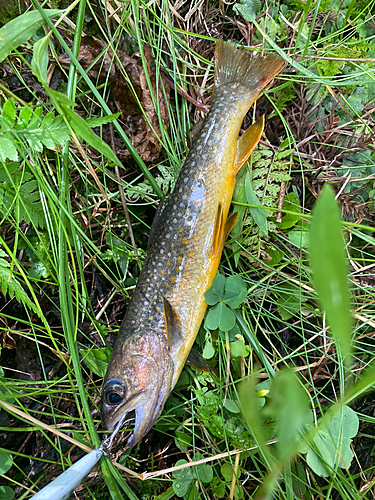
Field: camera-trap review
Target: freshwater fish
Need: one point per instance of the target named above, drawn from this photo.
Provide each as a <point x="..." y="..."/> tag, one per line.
<point x="186" y="242"/>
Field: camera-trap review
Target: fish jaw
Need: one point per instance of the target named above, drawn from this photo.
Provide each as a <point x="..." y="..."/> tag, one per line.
<point x="138" y="379"/>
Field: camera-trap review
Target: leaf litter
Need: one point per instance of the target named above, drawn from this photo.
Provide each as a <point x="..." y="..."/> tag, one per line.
<point x="131" y="93"/>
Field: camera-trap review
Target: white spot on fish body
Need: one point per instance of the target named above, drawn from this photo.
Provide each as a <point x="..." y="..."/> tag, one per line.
<point x="208" y="133"/>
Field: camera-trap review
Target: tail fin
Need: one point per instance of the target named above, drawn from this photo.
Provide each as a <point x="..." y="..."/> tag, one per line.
<point x="233" y="66"/>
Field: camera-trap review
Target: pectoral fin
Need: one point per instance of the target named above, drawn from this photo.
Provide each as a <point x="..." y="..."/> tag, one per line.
<point x="172" y="324"/>
<point x="196" y="361"/>
<point x="247" y="142"/>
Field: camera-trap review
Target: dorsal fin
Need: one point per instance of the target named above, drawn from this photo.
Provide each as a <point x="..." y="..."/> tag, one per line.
<point x="247" y="142"/>
<point x="172" y="324"/>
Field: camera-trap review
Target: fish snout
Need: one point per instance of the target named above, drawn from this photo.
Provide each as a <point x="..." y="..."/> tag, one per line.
<point x="139" y="383"/>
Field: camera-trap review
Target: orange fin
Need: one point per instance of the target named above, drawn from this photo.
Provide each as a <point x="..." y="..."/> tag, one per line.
<point x="195" y="360"/>
<point x="247" y="142"/>
<point x="217" y="244"/>
<point x="172" y="324"/>
<point x="229" y="225"/>
<point x="222" y="230"/>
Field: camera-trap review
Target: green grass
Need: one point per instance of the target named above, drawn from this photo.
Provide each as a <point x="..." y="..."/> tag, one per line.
<point x="69" y="260"/>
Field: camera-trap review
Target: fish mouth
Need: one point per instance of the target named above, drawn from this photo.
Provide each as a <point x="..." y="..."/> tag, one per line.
<point x="146" y="410"/>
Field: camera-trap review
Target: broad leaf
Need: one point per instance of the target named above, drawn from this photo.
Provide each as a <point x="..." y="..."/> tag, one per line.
<point x="39" y="62"/>
<point x="216" y="292"/>
<point x="332" y="443"/>
<point x="97" y="360"/>
<point x="220" y="316"/>
<point x="235" y="291"/>
<point x="20" y="30"/>
<point x="328" y="264"/>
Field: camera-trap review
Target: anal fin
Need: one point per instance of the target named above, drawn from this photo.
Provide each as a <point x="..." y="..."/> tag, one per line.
<point x="173" y="326"/>
<point x="247" y="142"/>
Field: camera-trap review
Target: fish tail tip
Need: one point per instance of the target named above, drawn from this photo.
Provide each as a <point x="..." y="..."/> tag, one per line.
<point x="234" y="65"/>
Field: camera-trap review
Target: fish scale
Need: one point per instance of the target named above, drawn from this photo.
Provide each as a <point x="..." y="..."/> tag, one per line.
<point x="187" y="237"/>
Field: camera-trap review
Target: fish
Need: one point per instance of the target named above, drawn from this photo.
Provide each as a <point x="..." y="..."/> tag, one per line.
<point x="185" y="245"/>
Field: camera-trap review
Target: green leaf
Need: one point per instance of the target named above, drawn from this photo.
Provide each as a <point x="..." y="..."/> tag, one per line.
<point x="291" y="204"/>
<point x="299" y="237"/>
<point x="5" y="462"/>
<point x="231" y="406"/>
<point x="182" y="479"/>
<point x="250" y="405"/>
<point x="9" y="111"/>
<point x="20" y="30"/>
<point x="235" y="291"/>
<point x="24" y="116"/>
<point x="183" y="439"/>
<point x="327" y="257"/>
<point x="238" y="348"/>
<point x="6" y="493"/>
<point x="258" y="214"/>
<point x="218" y="487"/>
<point x="220" y="316"/>
<point x="82" y="129"/>
<point x="332" y="443"/>
<point x="54" y="131"/>
<point x="39" y="62"/>
<point x="289" y="300"/>
<point x="6" y="393"/>
<point x="290" y="405"/>
<point x="226" y="472"/>
<point x="7" y="150"/>
<point x="248" y="9"/>
<point x="11" y="286"/>
<point x="208" y="351"/>
<point x="232" y="333"/>
<point x="97" y="360"/>
<point x="101" y="120"/>
<point x="216" y="292"/>
<point x="202" y="472"/>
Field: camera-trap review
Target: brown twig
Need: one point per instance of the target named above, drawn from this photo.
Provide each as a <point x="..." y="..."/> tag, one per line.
<point x="280" y="205"/>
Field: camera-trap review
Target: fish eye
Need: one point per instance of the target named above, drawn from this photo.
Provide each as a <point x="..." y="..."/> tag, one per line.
<point x="113" y="392"/>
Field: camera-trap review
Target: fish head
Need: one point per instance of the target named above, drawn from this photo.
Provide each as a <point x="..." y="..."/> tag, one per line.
<point x="138" y="379"/>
